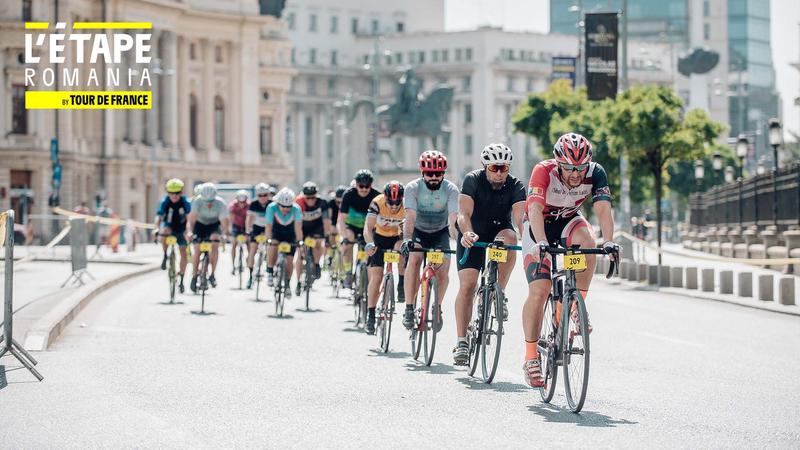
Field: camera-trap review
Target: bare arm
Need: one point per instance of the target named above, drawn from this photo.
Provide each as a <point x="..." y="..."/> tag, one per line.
<point x="190" y="222"/>
<point x="606" y="219"/>
<point x="248" y="221"/>
<point x="298" y="229"/>
<point x="408" y="225"/>
<point x="536" y="220"/>
<point x="517" y="215"/>
<point x="465" y="206"/>
<point x="340" y="223"/>
<point x="368" y="227"/>
<point x="268" y="231"/>
<point x="451" y="225"/>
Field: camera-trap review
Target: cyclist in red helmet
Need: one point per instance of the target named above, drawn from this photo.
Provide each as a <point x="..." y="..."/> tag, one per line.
<point x="557" y="189"/>
<point x="382" y="232"/>
<point x="431" y="204"/>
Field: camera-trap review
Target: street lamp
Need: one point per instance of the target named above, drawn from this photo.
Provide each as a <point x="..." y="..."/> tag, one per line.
<point x="742" y="146"/>
<point x="716" y="163"/>
<point x="729" y="174"/>
<point x="775" y="138"/>
<point x="761" y="170"/>
<point x="699" y="172"/>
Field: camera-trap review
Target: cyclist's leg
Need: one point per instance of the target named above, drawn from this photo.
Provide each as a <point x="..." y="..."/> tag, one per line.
<point x="578" y="231"/>
<point x="181" y="238"/>
<point x="298" y="260"/>
<point x="442" y="240"/>
<point x="163" y="232"/>
<point x="509" y="237"/>
<point x="412" y="276"/>
<point x="401" y="278"/>
<point x="347" y="250"/>
<point x="215" y="235"/>
<point x="467" y="283"/>
<point x="538" y="289"/>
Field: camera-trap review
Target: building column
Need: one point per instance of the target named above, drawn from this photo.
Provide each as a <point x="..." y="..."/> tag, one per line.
<point x="207" y="103"/>
<point x="249" y="97"/>
<point x="151" y="133"/>
<point x="181" y="117"/>
<point x="169" y="90"/>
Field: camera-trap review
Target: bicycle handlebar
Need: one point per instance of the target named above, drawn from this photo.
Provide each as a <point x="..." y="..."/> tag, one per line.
<point x="612" y="269"/>
<point x="479" y="244"/>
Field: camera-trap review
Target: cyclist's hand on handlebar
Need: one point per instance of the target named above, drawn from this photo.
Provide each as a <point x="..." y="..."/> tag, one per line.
<point x="611" y="248"/>
<point x="371" y="248"/>
<point x="468" y="239"/>
<point x="537" y="250"/>
<point x="406" y="247"/>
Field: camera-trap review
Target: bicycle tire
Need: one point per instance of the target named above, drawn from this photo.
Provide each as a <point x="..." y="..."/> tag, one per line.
<point x="362" y="287"/>
<point x="386" y="311"/>
<point x="474" y="330"/>
<point x="309" y="276"/>
<point x="279" y="287"/>
<point x="173" y="279"/>
<point x="258" y="274"/>
<point x="240" y="268"/>
<point x="575" y="389"/>
<point x="416" y="334"/>
<point x="547" y="350"/>
<point x="492" y="333"/>
<point x="203" y="282"/>
<point x="432" y="320"/>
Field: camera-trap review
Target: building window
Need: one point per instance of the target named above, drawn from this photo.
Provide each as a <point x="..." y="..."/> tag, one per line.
<point x="289" y="134"/>
<point x="467" y="113"/>
<point x="219" y="123"/>
<point x="334" y="24"/>
<point x="401" y="27"/>
<point x="332" y="87"/>
<point x="290" y="20"/>
<point x="193" y="121"/>
<point x="354" y="25"/>
<point x="307" y="147"/>
<point x="192" y="52"/>
<point x="293" y="56"/>
<point x="329" y="144"/>
<point x="398" y="58"/>
<point x="435" y="56"/>
<point x="132" y="183"/>
<point x="529" y="85"/>
<point x="468" y="144"/>
<point x="510" y="84"/>
<point x="412" y="57"/>
<point x="311" y="86"/>
<point x="422" y="57"/>
<point x="312" y="56"/>
<point x="19" y="116"/>
<point x="706" y="31"/>
<point x="458" y="54"/>
<point x="334" y="61"/>
<point x="218" y="53"/>
<point x="466" y="83"/>
<point x="375" y="26"/>
<point x="265" y="135"/>
<point x="444" y="55"/>
<point x="468" y="54"/>
<point x="312" y="23"/>
<point x="706" y="8"/>
<point x="27" y="10"/>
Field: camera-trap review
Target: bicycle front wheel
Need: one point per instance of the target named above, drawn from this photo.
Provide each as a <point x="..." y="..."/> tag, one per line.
<point x="547" y="350"/>
<point x="240" y="267"/>
<point x="385" y="313"/>
<point x="173" y="278"/>
<point x="576" y="352"/>
<point x="492" y="333"/>
<point x="431" y="320"/>
<point x="258" y="274"/>
<point x="203" y="282"/>
<point x="474" y="331"/>
<point x="279" y="287"/>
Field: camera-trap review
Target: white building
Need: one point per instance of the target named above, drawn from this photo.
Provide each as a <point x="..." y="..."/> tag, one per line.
<point x="490" y="69"/>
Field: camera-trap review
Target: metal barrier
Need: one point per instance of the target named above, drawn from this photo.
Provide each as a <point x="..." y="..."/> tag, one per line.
<point x="77" y="245"/>
<point x="9" y="345"/>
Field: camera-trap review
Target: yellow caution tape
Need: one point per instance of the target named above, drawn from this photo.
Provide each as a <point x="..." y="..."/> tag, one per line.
<point x="103" y="220"/>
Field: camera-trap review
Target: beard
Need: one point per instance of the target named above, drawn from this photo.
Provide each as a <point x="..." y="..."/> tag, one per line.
<point x="497" y="185"/>
<point x="433" y="185"/>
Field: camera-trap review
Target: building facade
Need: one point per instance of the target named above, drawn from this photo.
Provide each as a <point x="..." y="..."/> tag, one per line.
<point x="220" y="73"/>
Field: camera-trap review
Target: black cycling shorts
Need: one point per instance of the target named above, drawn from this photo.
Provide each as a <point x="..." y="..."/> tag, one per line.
<point x="477" y="256"/>
<point x="284" y="234"/>
<point x="383" y="243"/>
<point x="439" y="239"/>
<point x="203" y="231"/>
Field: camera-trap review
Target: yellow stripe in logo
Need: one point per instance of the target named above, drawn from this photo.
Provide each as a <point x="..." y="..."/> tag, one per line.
<point x="112" y="25"/>
<point x="88" y="99"/>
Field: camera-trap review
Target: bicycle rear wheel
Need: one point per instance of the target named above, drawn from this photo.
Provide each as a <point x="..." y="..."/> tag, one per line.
<point x="173" y="278"/>
<point x="431" y="320"/>
<point x="279" y="287"/>
<point x="576" y="352"/>
<point x="474" y="330"/>
<point x="309" y="275"/>
<point x="547" y="350"/>
<point x="258" y="274"/>
<point x="492" y="333"/>
<point x="203" y="281"/>
<point x="385" y="313"/>
<point x="240" y="266"/>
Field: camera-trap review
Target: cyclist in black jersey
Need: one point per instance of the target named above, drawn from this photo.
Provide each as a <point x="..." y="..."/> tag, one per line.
<point x="255" y="223"/>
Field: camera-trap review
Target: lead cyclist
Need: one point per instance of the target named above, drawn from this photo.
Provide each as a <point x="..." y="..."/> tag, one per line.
<point x="556" y="190"/>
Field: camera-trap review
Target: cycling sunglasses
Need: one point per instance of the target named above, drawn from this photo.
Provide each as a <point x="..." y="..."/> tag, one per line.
<point x="263" y="195"/>
<point x="502" y="168"/>
<point x="572" y="168"/>
<point x="364" y="186"/>
<point x="433" y="174"/>
<point x="391" y="203"/>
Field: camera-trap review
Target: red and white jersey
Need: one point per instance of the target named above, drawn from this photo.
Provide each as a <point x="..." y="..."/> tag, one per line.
<point x="560" y="201"/>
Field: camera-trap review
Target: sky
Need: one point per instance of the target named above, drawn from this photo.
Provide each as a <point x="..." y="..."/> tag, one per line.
<point x="534" y="15"/>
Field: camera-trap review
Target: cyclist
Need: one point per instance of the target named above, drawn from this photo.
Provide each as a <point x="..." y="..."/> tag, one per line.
<point x="316" y="224"/>
<point x="556" y="190"/>
<point x="333" y="206"/>
<point x="491" y="206"/>
<point x="209" y="216"/>
<point x="284" y="223"/>
<point x="254" y="224"/>
<point x="382" y="232"/>
<point x="237" y="208"/>
<point x="431" y="204"/>
<point x="352" y="215"/>
<point x="171" y="221"/>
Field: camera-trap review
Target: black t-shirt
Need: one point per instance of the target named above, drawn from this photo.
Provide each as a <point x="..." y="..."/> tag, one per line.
<point x="258" y="210"/>
<point x="356" y="206"/>
<point x="492" y="207"/>
<point x="334" y="209"/>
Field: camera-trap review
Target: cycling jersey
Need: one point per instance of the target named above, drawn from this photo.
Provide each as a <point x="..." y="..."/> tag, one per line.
<point x="274" y="216"/>
<point x="559" y="200"/>
<point x="258" y="211"/>
<point x="492" y="206"/>
<point x="356" y="206"/>
<point x="238" y="213"/>
<point x="209" y="212"/>
<point x="173" y="214"/>
<point x="432" y="207"/>
<point x="387" y="224"/>
<point x="313" y="215"/>
<point x="334" y="209"/>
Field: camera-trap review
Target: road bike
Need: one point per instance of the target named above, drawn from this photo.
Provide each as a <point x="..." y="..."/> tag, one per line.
<point x="336" y="269"/>
<point x="428" y="316"/>
<point x="281" y="285"/>
<point x="309" y="267"/>
<point x="385" y="310"/>
<point x="172" y="270"/>
<point x="239" y="247"/>
<point x="567" y="345"/>
<point x="485" y="331"/>
<point x="202" y="274"/>
<point x="359" y="286"/>
<point x="261" y="258"/>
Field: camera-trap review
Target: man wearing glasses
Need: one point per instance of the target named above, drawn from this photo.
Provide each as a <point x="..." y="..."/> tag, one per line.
<point x="255" y="223"/>
<point x="353" y="215"/>
<point x="557" y="189"/>
<point x="431" y="204"/>
<point x="491" y="206"/>
<point x="284" y="224"/>
<point x="171" y="221"/>
<point x="316" y="224"/>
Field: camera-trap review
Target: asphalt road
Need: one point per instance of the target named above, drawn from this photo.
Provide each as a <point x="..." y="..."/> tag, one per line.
<point x="132" y="372"/>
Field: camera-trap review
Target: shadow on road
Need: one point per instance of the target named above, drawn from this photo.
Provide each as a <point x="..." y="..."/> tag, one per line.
<point x="555" y="414"/>
<point x="169" y="303"/>
<point x="285" y="316"/>
<point x="261" y="301"/>
<point x="353" y="330"/>
<point x="204" y="313"/>
<point x="503" y="386"/>
<point x="309" y="310"/>
<point x="436" y="368"/>
<point x="3" y="381"/>
<point x="373" y="352"/>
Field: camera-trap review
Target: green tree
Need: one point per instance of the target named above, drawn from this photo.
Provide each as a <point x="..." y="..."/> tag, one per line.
<point x="649" y="124"/>
<point x="535" y="115"/>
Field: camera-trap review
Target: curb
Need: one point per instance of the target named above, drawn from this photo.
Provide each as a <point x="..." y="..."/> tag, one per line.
<point x="722" y="298"/>
<point x="47" y="329"/>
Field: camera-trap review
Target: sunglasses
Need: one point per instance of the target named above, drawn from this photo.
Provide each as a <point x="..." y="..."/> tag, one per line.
<point x="284" y="207"/>
<point x="310" y="198"/>
<point x="494" y="168"/>
<point x="394" y="203"/>
<point x="573" y="168"/>
<point x="263" y="195"/>
<point x="364" y="186"/>
<point x="173" y="193"/>
<point x="433" y="174"/>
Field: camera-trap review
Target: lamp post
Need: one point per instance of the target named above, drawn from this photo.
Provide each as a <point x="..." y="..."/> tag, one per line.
<point x="699" y="172"/>
<point x="775" y="138"/>
<point x="716" y="163"/>
<point x="729" y="174"/>
<point x="742" y="146"/>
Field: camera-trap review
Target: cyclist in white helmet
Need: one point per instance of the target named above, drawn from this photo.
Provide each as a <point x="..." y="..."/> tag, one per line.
<point x="209" y="216"/>
<point x="237" y="208"/>
<point x="284" y="223"/>
<point x="254" y="225"/>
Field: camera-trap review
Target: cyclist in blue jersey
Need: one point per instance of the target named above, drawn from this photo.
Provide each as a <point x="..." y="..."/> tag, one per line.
<point x="284" y="223"/>
<point x="171" y="221"/>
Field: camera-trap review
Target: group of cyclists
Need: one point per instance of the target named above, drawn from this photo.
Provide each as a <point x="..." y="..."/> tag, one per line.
<point x="428" y="212"/>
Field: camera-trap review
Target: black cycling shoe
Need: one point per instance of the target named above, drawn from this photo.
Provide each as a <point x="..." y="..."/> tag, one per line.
<point x="164" y="262"/>
<point x="212" y="281"/>
<point x="370" y="328"/>
<point x="408" y="319"/>
<point x="297" y="289"/>
<point x="193" y="284"/>
<point x="250" y="282"/>
<point x="181" y="288"/>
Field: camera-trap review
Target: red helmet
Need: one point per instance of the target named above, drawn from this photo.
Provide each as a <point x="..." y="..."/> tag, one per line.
<point x="432" y="161"/>
<point x="572" y="148"/>
<point x="393" y="191"/>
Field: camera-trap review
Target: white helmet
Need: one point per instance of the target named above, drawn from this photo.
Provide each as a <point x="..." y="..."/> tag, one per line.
<point x="242" y="195"/>
<point x="197" y="189"/>
<point x="285" y="197"/>
<point x="208" y="191"/>
<point x="496" y="154"/>
<point x="262" y="188"/>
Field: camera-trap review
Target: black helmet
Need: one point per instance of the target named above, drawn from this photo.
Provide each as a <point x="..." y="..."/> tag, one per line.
<point x="363" y="176"/>
<point x="393" y="192"/>
<point x="309" y="188"/>
<point x="340" y="191"/>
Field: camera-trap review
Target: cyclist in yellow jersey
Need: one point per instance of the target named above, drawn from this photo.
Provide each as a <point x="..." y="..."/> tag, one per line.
<point x="382" y="232"/>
